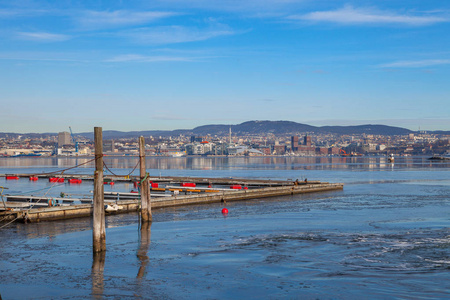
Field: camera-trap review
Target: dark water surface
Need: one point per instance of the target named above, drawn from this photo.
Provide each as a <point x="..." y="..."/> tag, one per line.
<point x="385" y="236"/>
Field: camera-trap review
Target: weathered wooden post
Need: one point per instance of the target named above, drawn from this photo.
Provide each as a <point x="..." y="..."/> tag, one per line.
<point x="98" y="230"/>
<point x="146" y="208"/>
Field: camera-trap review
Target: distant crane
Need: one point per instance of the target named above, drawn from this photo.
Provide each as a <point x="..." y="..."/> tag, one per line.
<point x="73" y="138"/>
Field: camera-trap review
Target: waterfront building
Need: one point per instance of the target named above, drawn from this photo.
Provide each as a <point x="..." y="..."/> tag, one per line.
<point x="64" y="138"/>
<point x="279" y="149"/>
<point x="200" y="148"/>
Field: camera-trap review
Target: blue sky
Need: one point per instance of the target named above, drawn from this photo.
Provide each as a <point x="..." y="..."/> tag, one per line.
<point x="163" y="65"/>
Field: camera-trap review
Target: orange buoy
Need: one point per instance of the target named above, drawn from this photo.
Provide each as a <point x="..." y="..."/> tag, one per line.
<point x="224" y="210"/>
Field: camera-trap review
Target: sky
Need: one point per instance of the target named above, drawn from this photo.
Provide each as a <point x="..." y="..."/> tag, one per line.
<point x="176" y="64"/>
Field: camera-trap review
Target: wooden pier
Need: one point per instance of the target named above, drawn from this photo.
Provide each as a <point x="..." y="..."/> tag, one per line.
<point x="163" y="179"/>
<point x="129" y="204"/>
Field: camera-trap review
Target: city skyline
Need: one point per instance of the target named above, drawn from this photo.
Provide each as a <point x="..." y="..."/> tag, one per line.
<point x="168" y="65"/>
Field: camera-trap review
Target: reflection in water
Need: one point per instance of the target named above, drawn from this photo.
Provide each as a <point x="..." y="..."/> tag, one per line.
<point x="98" y="266"/>
<point x="143" y="248"/>
<point x="123" y="165"/>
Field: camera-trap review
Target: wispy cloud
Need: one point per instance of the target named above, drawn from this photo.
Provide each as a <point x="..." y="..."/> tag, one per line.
<point x="117" y="18"/>
<point x="145" y="58"/>
<point x="12" y="13"/>
<point x="416" y="63"/>
<point x="42" y="56"/>
<point x="259" y="6"/>
<point x="349" y="15"/>
<point x="176" y="34"/>
<point x="42" y="36"/>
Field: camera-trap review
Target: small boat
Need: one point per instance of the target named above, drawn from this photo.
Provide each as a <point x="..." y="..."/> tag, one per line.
<point x="110" y="208"/>
<point x="22" y="154"/>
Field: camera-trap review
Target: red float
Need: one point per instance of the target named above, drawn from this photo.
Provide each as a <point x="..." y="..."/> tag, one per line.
<point x="56" y="179"/>
<point x="224" y="210"/>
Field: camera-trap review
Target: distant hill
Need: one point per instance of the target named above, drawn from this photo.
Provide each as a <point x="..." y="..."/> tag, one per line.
<point x="246" y="128"/>
<point x="255" y="127"/>
<point x="287" y="127"/>
<point x="368" y="129"/>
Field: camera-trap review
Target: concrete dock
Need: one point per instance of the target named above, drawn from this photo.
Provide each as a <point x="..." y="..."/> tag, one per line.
<point x="265" y="189"/>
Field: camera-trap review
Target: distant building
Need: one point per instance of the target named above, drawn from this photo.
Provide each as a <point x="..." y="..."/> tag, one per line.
<point x="108" y="146"/>
<point x="64" y="138"/>
<point x="321" y="150"/>
<point x="200" y="148"/>
<point x="279" y="149"/>
<point x="265" y="150"/>
<point x="334" y="151"/>
<point x="294" y="143"/>
<point x="307" y="141"/>
<point x="243" y="150"/>
<point x="198" y="139"/>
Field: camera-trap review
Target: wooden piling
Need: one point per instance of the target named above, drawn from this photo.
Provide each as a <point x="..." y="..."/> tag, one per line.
<point x="146" y="208"/>
<point x="98" y="230"/>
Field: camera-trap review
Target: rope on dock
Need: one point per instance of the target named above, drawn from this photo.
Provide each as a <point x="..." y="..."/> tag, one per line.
<point x="70" y="168"/>
<point x="106" y="167"/>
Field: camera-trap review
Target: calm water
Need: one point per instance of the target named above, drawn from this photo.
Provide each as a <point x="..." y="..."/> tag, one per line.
<point x="385" y="236"/>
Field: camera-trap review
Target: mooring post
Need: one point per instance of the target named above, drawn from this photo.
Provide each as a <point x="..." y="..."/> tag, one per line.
<point x="146" y="208"/>
<point x="98" y="230"/>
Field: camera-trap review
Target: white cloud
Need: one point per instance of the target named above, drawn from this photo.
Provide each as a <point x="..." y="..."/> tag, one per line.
<point x="176" y="34"/>
<point x="416" y="63"/>
<point x="42" y="36"/>
<point x="145" y="58"/>
<point x="107" y="19"/>
<point x="349" y="15"/>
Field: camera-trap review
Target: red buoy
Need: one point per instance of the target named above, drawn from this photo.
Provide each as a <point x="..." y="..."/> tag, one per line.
<point x="224" y="210"/>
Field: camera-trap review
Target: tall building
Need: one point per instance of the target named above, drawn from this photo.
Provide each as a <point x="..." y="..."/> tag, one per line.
<point x="108" y="146"/>
<point x="64" y="138"/>
<point x="307" y="141"/>
<point x="294" y="143"/>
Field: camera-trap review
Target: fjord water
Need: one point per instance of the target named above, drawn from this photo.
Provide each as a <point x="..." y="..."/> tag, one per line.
<point x="385" y="236"/>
